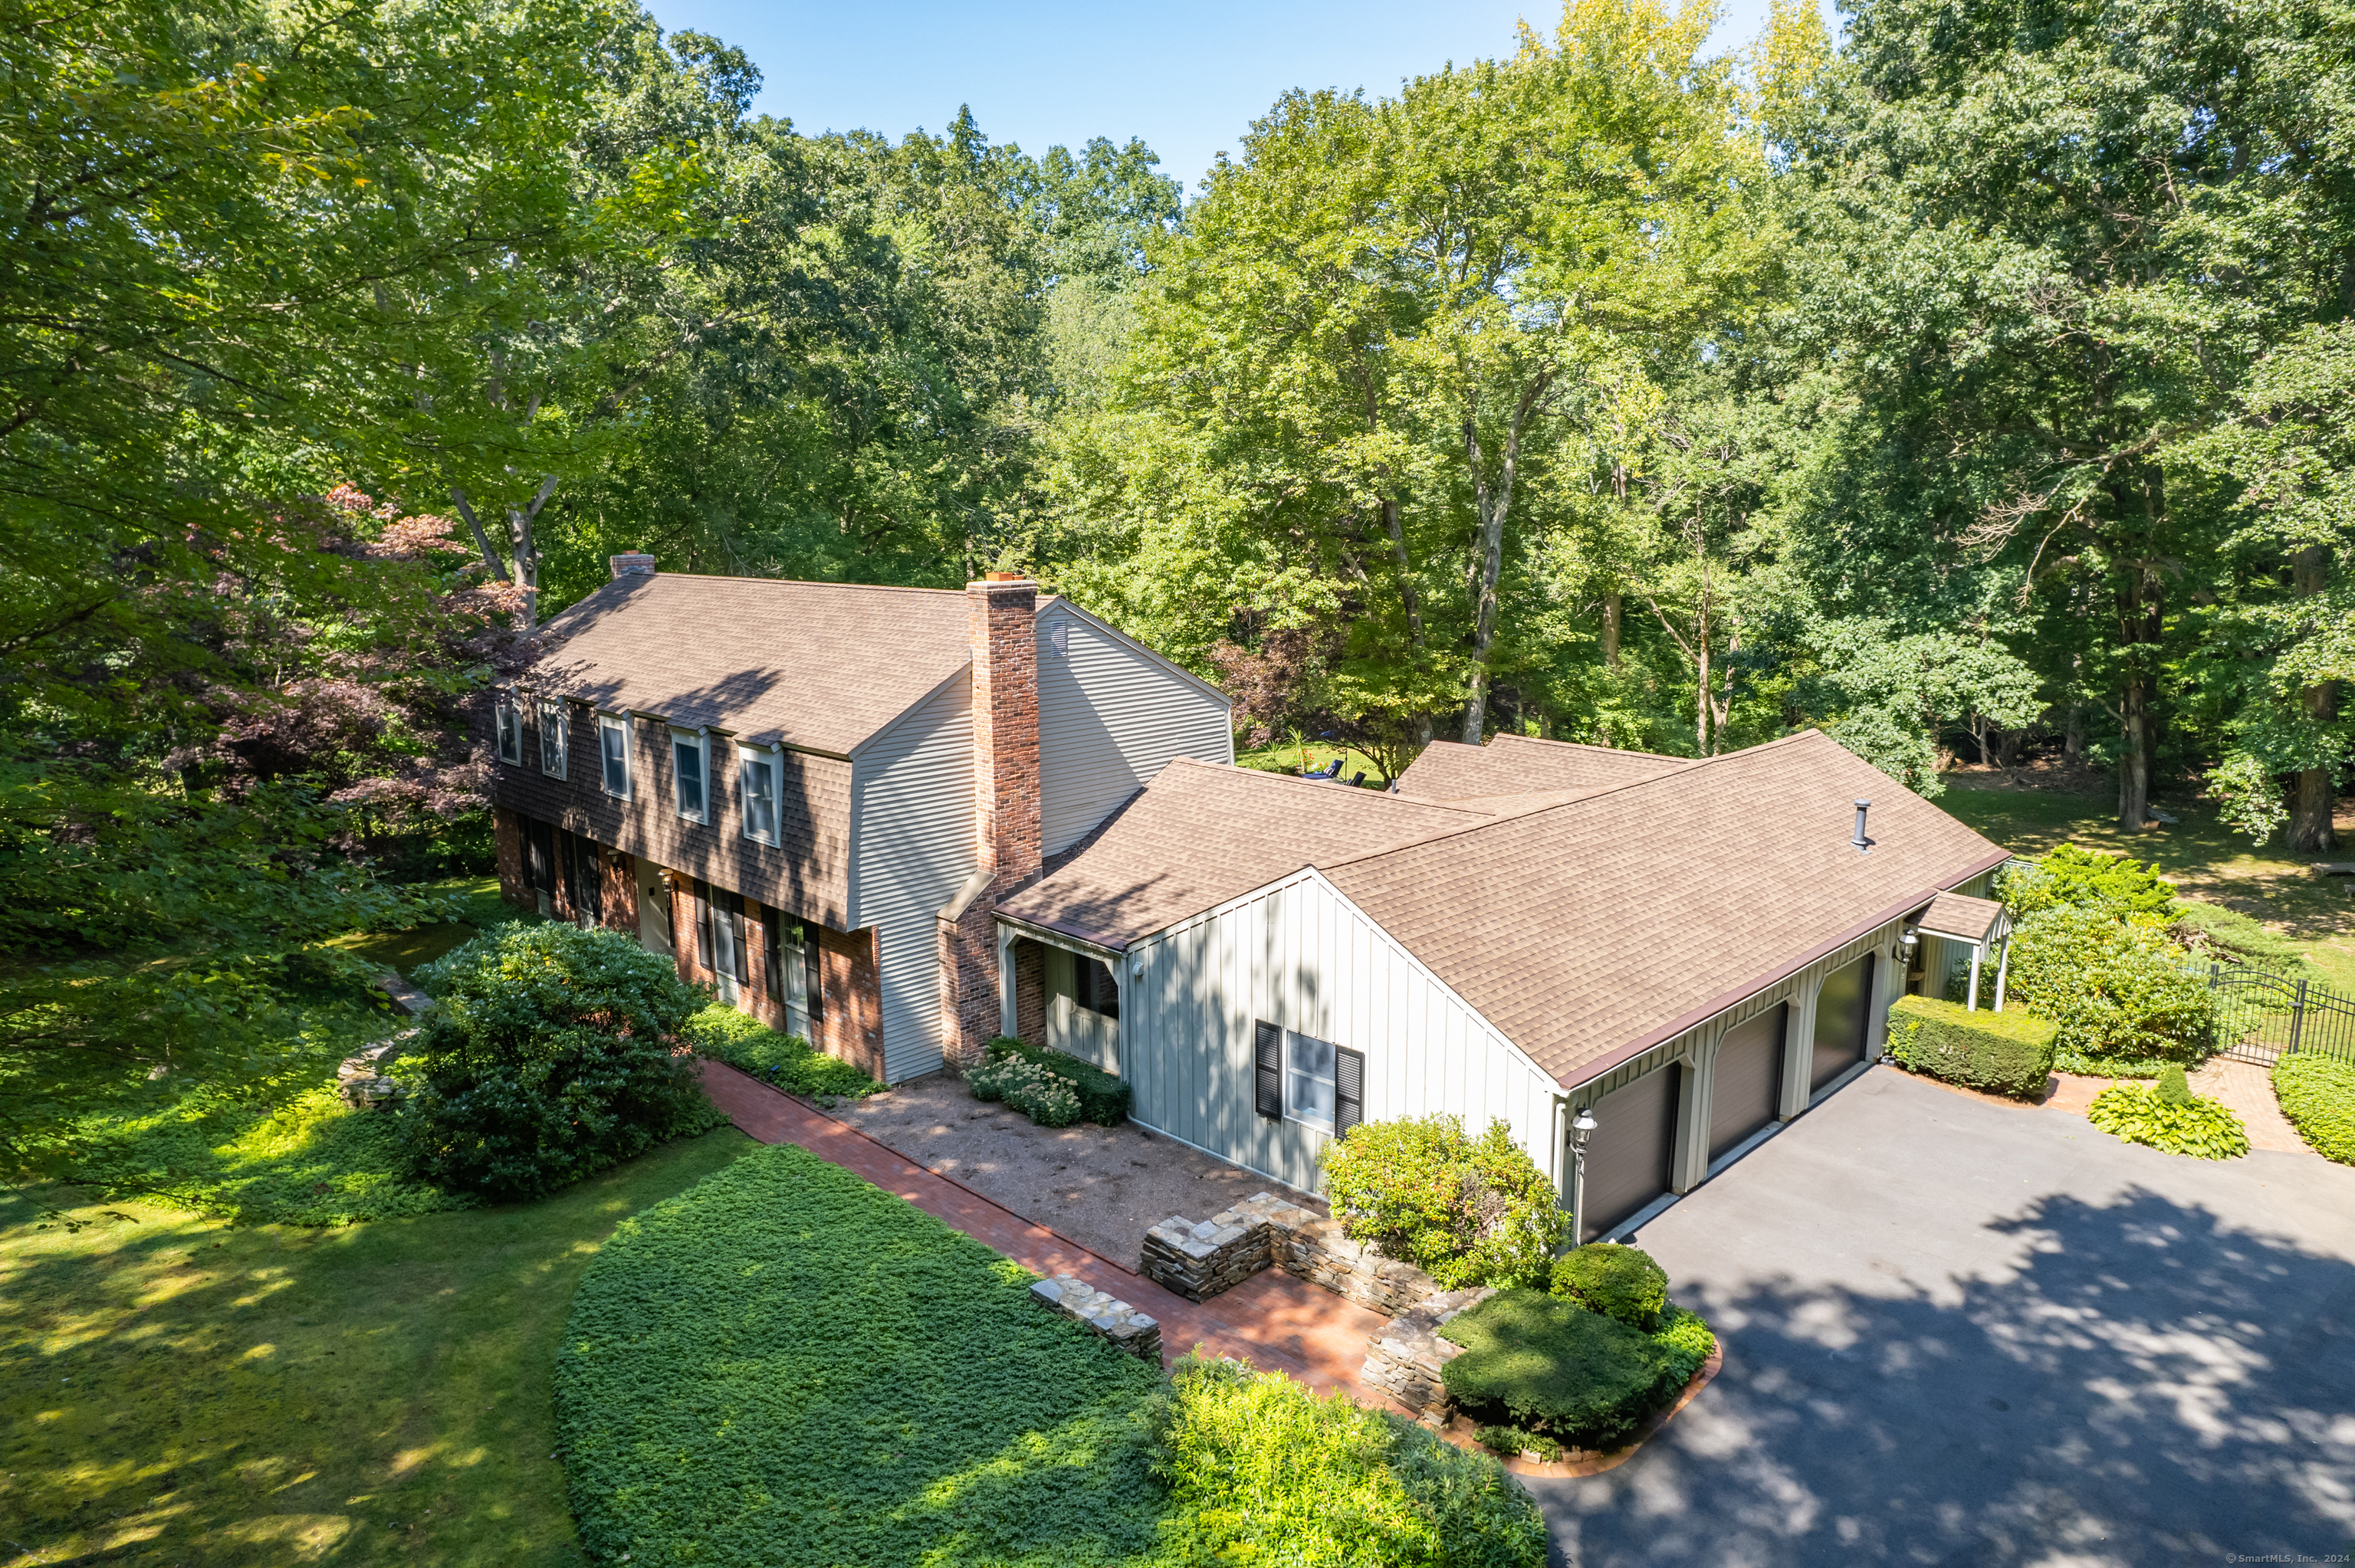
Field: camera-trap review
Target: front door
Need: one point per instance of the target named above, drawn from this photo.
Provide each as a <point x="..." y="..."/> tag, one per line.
<point x="653" y="910"/>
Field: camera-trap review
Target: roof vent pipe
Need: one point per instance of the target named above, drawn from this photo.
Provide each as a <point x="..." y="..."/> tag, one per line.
<point x="1863" y="845"/>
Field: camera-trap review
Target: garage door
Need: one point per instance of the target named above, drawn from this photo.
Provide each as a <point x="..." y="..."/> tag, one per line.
<point x="1628" y="1153"/>
<point x="1841" y="1013"/>
<point x="1747" y="1090"/>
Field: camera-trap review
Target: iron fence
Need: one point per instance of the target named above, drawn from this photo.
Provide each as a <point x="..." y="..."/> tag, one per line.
<point x="2261" y="1016"/>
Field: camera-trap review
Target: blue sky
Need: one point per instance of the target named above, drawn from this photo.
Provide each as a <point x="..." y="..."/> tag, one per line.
<point x="1188" y="81"/>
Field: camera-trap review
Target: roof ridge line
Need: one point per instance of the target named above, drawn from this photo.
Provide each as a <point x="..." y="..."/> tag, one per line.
<point x="1494" y="819"/>
<point x="1290" y="778"/>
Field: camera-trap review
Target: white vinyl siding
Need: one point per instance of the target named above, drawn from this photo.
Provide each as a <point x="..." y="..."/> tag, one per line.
<point x="1111" y="717"/>
<point x="912" y="815"/>
<point x="1299" y="955"/>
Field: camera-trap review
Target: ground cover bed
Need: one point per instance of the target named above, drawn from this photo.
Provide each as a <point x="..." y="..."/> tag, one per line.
<point x="174" y="1390"/>
<point x="475" y="906"/>
<point x="2317" y="1095"/>
<point x="786" y="1061"/>
<point x="786" y="1364"/>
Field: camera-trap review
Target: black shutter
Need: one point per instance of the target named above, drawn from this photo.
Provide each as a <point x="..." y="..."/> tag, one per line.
<point x="1349" y="1088"/>
<point x="736" y="933"/>
<point x="772" y="956"/>
<point x="1267" y="1045"/>
<point x="593" y="881"/>
<point x="703" y="924"/>
<point x="816" y="1007"/>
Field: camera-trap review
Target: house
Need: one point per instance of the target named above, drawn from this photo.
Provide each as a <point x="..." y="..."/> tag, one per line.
<point x="810" y="793"/>
<point x="1689" y="951"/>
<point x="902" y="820"/>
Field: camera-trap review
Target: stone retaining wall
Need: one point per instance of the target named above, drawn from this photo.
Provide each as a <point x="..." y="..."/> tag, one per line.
<point x="1407" y="1361"/>
<point x="1199" y="1261"/>
<point x="1124" y="1326"/>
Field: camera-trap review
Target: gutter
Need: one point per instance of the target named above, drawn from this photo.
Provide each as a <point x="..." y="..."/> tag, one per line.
<point x="1726" y="1000"/>
<point x="1055" y="939"/>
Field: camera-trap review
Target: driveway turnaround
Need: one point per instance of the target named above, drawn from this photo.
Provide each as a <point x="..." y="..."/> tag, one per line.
<point x="1960" y="1332"/>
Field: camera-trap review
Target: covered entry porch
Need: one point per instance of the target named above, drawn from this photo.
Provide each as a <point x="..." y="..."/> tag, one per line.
<point x="1058" y="991"/>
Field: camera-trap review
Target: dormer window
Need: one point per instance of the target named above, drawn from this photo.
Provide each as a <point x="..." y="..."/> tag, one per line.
<point x="553" y="737"/>
<point x="757" y="777"/>
<point x="690" y="774"/>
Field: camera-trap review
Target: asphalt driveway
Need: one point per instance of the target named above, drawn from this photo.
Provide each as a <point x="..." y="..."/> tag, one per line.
<point x="1958" y="1332"/>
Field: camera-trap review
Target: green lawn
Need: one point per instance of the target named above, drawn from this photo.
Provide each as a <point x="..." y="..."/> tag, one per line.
<point x="1286" y="758"/>
<point x="403" y="951"/>
<point x="176" y="1391"/>
<point x="2202" y="857"/>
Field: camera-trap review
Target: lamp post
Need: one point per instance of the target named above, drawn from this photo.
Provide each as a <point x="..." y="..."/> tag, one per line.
<point x="1582" y="1124"/>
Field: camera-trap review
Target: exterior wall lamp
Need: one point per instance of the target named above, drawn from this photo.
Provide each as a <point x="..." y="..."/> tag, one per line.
<point x="1581" y="1126"/>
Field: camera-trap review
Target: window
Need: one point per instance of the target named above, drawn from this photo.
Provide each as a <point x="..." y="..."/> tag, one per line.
<point x="510" y="731"/>
<point x="583" y="884"/>
<point x="686" y="771"/>
<point x="553" y="735"/>
<point x="789" y="967"/>
<point x="1310" y="1081"/>
<point x="1093" y="988"/>
<point x="757" y="773"/>
<point x="614" y="745"/>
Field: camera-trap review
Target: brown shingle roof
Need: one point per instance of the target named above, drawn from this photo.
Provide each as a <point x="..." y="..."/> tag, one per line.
<point x="1203" y="832"/>
<point x="817" y="665"/>
<point x="1592" y="929"/>
<point x="1519" y="764"/>
<point x="1958" y="915"/>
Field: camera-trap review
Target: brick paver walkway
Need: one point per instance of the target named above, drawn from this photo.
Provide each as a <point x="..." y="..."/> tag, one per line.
<point x="1273" y="1320"/>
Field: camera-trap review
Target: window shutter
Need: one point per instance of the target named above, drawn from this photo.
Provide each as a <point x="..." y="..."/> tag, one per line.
<point x="1268" y="1046"/>
<point x="1349" y="1088"/>
<point x="736" y="936"/>
<point x="816" y="1003"/>
<point x="772" y="956"/>
<point x="703" y="924"/>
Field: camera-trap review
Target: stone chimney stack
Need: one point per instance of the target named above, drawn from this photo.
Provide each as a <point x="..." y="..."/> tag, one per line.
<point x="635" y="562"/>
<point x="1002" y="613"/>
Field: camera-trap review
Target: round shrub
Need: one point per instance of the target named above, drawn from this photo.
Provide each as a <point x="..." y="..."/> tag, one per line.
<point x="1044" y="1095"/>
<point x="1538" y="1362"/>
<point x="2089" y="879"/>
<point x="1617" y="1281"/>
<point x="2117" y="989"/>
<point x="554" y="1053"/>
<point x="1466" y="1210"/>
<point x="2139" y="1113"/>
<point x="2317" y="1095"/>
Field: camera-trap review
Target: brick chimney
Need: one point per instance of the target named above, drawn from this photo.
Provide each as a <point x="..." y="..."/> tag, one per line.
<point x="635" y="561"/>
<point x="1002" y="612"/>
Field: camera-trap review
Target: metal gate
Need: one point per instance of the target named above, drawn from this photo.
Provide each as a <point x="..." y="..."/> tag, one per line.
<point x="2261" y="1016"/>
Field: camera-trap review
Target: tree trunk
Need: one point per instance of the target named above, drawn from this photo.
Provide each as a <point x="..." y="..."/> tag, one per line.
<point x="2311" y="801"/>
<point x="1492" y="504"/>
<point x="1611" y="609"/>
<point x="1700" y="698"/>
<point x="2138" y="616"/>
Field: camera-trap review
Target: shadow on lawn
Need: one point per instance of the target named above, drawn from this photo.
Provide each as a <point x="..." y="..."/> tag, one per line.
<point x="2152" y="1387"/>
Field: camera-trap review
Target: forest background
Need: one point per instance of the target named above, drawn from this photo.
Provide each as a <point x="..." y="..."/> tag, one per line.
<point x="1981" y="383"/>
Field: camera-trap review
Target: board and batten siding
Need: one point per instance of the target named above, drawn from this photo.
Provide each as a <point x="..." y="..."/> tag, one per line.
<point x="1297" y="953"/>
<point x="1111" y="717"/>
<point x="914" y="813"/>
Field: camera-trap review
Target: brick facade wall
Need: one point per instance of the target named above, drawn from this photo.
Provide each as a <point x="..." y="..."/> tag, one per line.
<point x="969" y="1000"/>
<point x="1030" y="991"/>
<point x="849" y="1025"/>
<point x="506" y="836"/>
<point x="620" y="875"/>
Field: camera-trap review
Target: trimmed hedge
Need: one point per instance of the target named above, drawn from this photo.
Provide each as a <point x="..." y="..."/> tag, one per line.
<point x="727" y="1034"/>
<point x="1466" y="1210"/>
<point x="2143" y="1113"/>
<point x="2317" y="1095"/>
<point x="787" y="1364"/>
<point x="1104" y="1098"/>
<point x="1534" y="1361"/>
<point x="1260" y="1470"/>
<point x="1617" y="1281"/>
<point x="2010" y="1053"/>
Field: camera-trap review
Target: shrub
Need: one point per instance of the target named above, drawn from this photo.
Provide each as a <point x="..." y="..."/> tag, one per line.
<point x="1464" y="1211"/>
<point x="1041" y="1094"/>
<point x="2174" y="1086"/>
<point x="786" y="1364"/>
<point x="1104" y="1098"/>
<point x="1260" y="1470"/>
<point x="2008" y="1052"/>
<point x="2088" y="879"/>
<point x="2138" y="1113"/>
<point x="554" y="1054"/>
<point x="1536" y="1361"/>
<point x="2117" y="989"/>
<point x="788" y="1061"/>
<point x="2227" y="936"/>
<point x="1686" y="1337"/>
<point x="1617" y="1281"/>
<point x="2317" y="1095"/>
